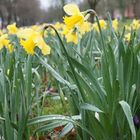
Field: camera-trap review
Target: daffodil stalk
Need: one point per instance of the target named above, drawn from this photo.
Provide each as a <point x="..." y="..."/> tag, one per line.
<point x="68" y="58"/>
<point x="90" y="11"/>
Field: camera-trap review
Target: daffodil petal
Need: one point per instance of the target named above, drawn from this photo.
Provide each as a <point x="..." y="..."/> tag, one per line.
<point x="71" y="9"/>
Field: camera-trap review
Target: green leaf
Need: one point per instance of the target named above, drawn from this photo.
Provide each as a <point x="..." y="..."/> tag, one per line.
<point x="127" y="111"/>
<point x="46" y="118"/>
<point x="90" y="107"/>
<point x="138" y="135"/>
<point x="66" y="129"/>
<point x="53" y="72"/>
<point x="50" y="126"/>
<point x="2" y="119"/>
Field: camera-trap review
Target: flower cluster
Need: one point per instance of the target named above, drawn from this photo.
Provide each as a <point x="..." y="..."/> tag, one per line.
<point x="75" y="26"/>
<point x="29" y="38"/>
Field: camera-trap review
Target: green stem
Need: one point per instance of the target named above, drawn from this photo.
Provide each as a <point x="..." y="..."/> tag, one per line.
<point x="68" y="58"/>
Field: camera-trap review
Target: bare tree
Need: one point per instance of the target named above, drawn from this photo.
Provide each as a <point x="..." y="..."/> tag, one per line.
<point x="27" y="12"/>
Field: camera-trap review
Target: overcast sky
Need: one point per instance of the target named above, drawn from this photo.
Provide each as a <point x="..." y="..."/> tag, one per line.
<point x="46" y="3"/>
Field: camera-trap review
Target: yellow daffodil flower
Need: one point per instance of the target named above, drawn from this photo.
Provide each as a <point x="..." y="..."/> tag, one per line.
<point x="28" y="45"/>
<point x="84" y="28"/>
<point x="102" y="23"/>
<point x="72" y="37"/>
<point x="25" y="33"/>
<point x="135" y="24"/>
<point x="74" y="17"/>
<point x="128" y="28"/>
<point x="30" y="38"/>
<point x="10" y="48"/>
<point x="45" y="49"/>
<point x="4" y="41"/>
<point x="59" y="26"/>
<point x="12" y="29"/>
<point x="127" y="37"/>
<point x="115" y="24"/>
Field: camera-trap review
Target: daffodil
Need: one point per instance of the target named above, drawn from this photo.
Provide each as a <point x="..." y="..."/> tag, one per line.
<point x="59" y="25"/>
<point x="102" y="23"/>
<point x="84" y="28"/>
<point x="4" y="41"/>
<point x="12" y="29"/>
<point x="135" y="24"/>
<point x="28" y="45"/>
<point x="115" y="24"/>
<point x="10" y="48"/>
<point x="72" y="37"/>
<point x="30" y="39"/>
<point x="74" y="18"/>
<point x="25" y="33"/>
<point x="36" y="27"/>
<point x="128" y="28"/>
<point x="127" y="37"/>
<point x="39" y="41"/>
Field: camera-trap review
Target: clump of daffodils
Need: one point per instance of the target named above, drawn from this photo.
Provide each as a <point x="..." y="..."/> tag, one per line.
<point x="74" y="27"/>
<point x="29" y="38"/>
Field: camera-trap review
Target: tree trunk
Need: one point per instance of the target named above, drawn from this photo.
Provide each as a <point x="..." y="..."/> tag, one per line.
<point x="63" y="2"/>
<point x="136" y="6"/>
<point x="10" y="12"/>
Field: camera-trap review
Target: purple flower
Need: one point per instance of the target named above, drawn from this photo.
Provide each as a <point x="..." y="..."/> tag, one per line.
<point x="136" y="120"/>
